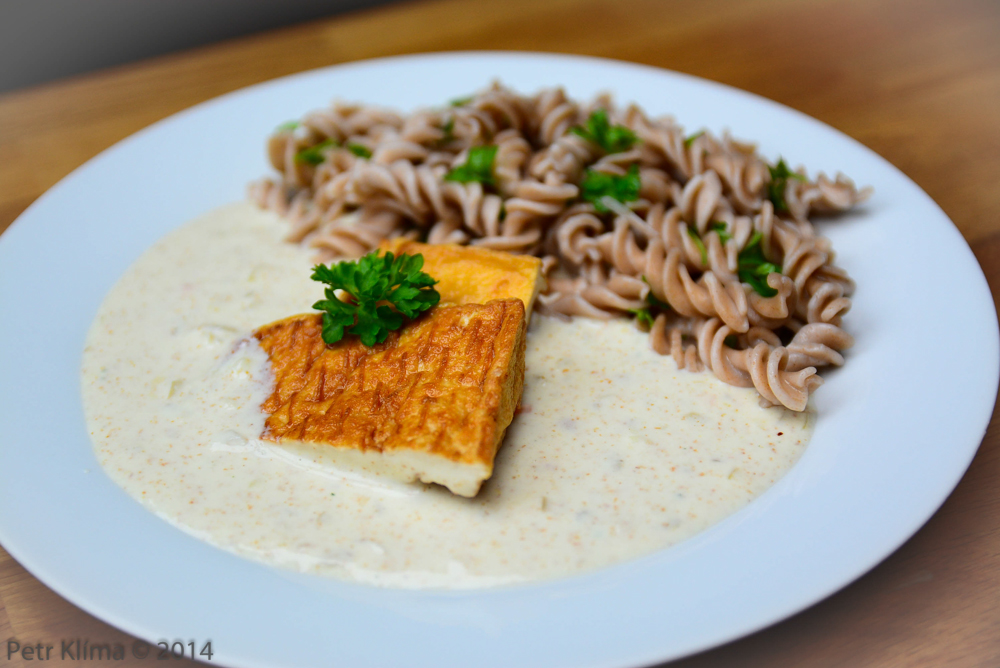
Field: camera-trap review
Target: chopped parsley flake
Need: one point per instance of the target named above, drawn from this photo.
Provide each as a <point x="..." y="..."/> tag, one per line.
<point x="315" y="155"/>
<point x="643" y="316"/>
<point x="651" y="299"/>
<point x="753" y="267"/>
<point x="359" y="150"/>
<point x="449" y="130"/>
<point x="690" y="138"/>
<point x="780" y="174"/>
<point x="478" y="166"/>
<point x="693" y="233"/>
<point x="598" y="185"/>
<point x="611" y="138"/>
<point x="720" y="228"/>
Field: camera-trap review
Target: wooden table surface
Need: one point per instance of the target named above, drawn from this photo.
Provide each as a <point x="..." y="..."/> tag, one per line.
<point x="918" y="82"/>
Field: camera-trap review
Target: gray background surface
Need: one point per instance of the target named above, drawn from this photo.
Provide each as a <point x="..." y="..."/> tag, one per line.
<point x="43" y="40"/>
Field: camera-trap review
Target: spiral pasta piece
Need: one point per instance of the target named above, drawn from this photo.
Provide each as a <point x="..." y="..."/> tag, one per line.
<point x="710" y="246"/>
<point x="675" y="341"/>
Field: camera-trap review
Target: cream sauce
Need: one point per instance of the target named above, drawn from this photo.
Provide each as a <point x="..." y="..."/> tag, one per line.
<point x="616" y="453"/>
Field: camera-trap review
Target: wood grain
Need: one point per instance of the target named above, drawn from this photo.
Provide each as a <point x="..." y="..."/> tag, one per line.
<point x="918" y="82"/>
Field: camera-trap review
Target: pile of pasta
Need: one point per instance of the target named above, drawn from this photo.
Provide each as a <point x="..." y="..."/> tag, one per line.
<point x="697" y="237"/>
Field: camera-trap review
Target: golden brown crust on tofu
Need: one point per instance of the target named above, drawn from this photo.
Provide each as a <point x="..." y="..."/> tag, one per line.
<point x="445" y="385"/>
<point x="470" y="275"/>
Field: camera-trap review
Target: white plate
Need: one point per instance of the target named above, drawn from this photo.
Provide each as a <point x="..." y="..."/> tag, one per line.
<point x="897" y="426"/>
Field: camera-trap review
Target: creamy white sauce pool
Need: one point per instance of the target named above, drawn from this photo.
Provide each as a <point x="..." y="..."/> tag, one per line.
<point x="616" y="453"/>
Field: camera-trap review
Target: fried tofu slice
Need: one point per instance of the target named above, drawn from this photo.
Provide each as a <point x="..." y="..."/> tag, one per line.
<point x="470" y="275"/>
<point x="431" y="403"/>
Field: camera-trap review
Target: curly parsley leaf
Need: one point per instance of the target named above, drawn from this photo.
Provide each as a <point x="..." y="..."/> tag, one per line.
<point x="287" y="126"/>
<point x="780" y="174"/>
<point x="381" y="290"/>
<point x="753" y="267"/>
<point x="359" y="150"/>
<point x="598" y="185"/>
<point x="478" y="166"/>
<point x="611" y="138"/>
<point x="315" y="155"/>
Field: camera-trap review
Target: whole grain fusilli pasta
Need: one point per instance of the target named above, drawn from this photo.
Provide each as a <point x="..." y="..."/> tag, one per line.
<point x="700" y="239"/>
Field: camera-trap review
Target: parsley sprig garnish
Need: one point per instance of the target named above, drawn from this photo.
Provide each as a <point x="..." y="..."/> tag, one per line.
<point x="780" y="174"/>
<point x="598" y="185"/>
<point x="611" y="138"/>
<point x="287" y="126"/>
<point x="753" y="267"/>
<point x="381" y="291"/>
<point x="478" y="166"/>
